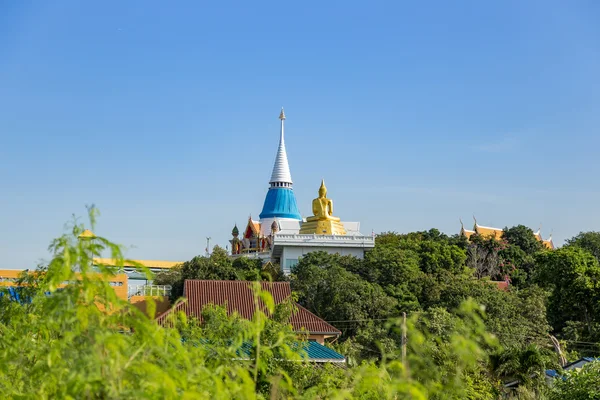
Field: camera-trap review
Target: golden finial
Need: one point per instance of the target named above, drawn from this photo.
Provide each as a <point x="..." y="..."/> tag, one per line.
<point x="87" y="234"/>
<point x="282" y="114"/>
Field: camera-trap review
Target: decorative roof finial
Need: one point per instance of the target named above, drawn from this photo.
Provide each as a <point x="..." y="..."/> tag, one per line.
<point x="461" y="223"/>
<point x="282" y="114"/>
<point x="87" y="235"/>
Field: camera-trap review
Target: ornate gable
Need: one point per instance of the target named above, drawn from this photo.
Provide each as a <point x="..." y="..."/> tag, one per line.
<point x="252" y="229"/>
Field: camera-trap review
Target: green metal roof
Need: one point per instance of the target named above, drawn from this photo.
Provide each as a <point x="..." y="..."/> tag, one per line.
<point x="316" y="352"/>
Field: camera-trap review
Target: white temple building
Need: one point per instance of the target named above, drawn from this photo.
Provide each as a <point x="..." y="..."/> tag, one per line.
<point x="282" y="236"/>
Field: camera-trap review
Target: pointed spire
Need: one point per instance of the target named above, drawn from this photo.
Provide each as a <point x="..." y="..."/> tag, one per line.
<point x="281" y="168"/>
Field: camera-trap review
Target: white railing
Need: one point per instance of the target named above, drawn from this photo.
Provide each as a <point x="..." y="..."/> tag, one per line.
<point x="149" y="290"/>
<point x="313" y="237"/>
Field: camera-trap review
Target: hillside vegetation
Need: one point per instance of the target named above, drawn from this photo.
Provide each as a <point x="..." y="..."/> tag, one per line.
<point x="465" y="336"/>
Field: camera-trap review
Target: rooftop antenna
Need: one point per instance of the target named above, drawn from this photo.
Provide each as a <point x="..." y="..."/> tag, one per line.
<point x="207" y="246"/>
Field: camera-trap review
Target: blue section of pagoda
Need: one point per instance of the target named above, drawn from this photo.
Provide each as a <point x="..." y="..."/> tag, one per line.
<point x="280" y="203"/>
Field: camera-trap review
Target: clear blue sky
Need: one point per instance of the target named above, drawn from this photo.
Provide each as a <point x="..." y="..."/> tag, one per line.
<point x="164" y="114"/>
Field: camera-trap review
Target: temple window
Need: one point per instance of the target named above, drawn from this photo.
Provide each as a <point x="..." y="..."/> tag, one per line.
<point x="289" y="264"/>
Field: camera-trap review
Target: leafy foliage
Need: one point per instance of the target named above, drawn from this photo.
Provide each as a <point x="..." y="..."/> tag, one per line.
<point x="465" y="336"/>
<point x="572" y="275"/>
<point x="217" y="266"/>
<point x="579" y="384"/>
<point x="589" y="241"/>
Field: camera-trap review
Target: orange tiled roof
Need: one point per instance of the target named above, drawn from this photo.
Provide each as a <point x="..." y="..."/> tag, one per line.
<point x="467" y="233"/>
<point x="548" y="243"/>
<point x="145" y="263"/>
<point x="238" y="297"/>
<point x="502" y="285"/>
<point x="488" y="231"/>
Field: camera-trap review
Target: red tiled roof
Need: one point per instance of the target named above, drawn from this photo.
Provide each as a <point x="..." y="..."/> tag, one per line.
<point x="502" y="285"/>
<point x="237" y="296"/>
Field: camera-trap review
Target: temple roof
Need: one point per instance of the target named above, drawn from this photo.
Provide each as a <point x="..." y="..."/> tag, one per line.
<point x="467" y="232"/>
<point x="281" y="168"/>
<point x="238" y="297"/>
<point x="548" y="243"/>
<point x="280" y="203"/>
<point x="488" y="231"/>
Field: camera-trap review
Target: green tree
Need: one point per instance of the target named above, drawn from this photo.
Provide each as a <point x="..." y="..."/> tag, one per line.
<point x="589" y="241"/>
<point x="579" y="384"/>
<point x="335" y="294"/>
<point x="522" y="237"/>
<point x="218" y="266"/>
<point x="484" y="259"/>
<point x="440" y="334"/>
<point x="525" y="364"/>
<point x="572" y="275"/>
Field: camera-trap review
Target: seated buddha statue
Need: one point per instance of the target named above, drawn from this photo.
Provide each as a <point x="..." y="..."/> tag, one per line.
<point x="322" y="207"/>
<point x="322" y="222"/>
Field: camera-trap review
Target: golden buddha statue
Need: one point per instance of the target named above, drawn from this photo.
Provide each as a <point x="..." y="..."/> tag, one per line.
<point x="322" y="206"/>
<point x="322" y="222"/>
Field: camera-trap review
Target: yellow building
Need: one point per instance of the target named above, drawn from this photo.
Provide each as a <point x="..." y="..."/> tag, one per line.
<point x="496" y="233"/>
<point x="10" y="277"/>
<point x="137" y="296"/>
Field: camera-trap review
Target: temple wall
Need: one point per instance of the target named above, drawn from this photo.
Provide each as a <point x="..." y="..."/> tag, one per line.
<point x="141" y="302"/>
<point x="291" y="254"/>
